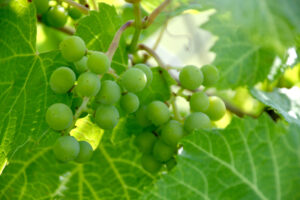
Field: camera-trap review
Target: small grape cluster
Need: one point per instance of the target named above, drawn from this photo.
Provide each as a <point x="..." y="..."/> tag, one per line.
<point x="55" y="16"/>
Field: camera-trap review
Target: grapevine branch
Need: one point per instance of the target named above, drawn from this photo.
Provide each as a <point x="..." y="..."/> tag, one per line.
<point x="149" y="20"/>
<point x="80" y="7"/>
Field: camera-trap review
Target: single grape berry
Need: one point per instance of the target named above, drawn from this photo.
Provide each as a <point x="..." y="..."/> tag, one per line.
<point x="81" y="65"/>
<point x="191" y="77"/>
<point x="146" y="69"/>
<point x="72" y="48"/>
<point x="162" y="152"/>
<point x="158" y="113"/>
<point x="107" y="117"/>
<point x="130" y="102"/>
<point x="134" y="80"/>
<point x="150" y="164"/>
<point x="211" y="75"/>
<point x="85" y="152"/>
<point x="62" y="80"/>
<point x="141" y="117"/>
<point x="98" y="62"/>
<point x="57" y="17"/>
<point x="170" y="164"/>
<point x="110" y="93"/>
<point x="66" y="148"/>
<point x="88" y="84"/>
<point x="145" y="141"/>
<point x="59" y="116"/>
<point x="216" y="109"/>
<point x="196" y="121"/>
<point x="172" y="132"/>
<point x="74" y="13"/>
<point x="199" y="102"/>
<point x="42" y="6"/>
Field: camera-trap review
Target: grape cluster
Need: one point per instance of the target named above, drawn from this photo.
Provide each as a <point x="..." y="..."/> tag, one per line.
<point x="55" y="16"/>
<point x="104" y="100"/>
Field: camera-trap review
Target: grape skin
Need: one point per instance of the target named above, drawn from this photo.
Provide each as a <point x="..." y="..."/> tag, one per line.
<point x="88" y="84"/>
<point x="66" y="148"/>
<point x="141" y="117"/>
<point x="190" y="77"/>
<point x="172" y="132"/>
<point x="150" y="164"/>
<point x="107" y="117"/>
<point x="72" y="48"/>
<point x="145" y="142"/>
<point x="41" y="6"/>
<point x="85" y="152"/>
<point x="110" y="93"/>
<point x="147" y="71"/>
<point x="216" y="109"/>
<point x="211" y="75"/>
<point x="158" y="113"/>
<point x="81" y="65"/>
<point x="57" y="17"/>
<point x="162" y="152"/>
<point x="62" y="80"/>
<point x="74" y="13"/>
<point x="196" y="121"/>
<point x="199" y="102"/>
<point x="134" y="80"/>
<point x="98" y="62"/>
<point x="130" y="102"/>
<point x="59" y="116"/>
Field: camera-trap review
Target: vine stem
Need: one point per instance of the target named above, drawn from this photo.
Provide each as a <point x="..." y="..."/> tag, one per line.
<point x="175" y="108"/>
<point x="80" y="7"/>
<point x="153" y="54"/>
<point x="149" y="20"/>
<point x="138" y="26"/>
<point x="115" y="42"/>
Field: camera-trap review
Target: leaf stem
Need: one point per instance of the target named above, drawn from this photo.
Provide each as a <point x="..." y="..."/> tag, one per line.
<point x="138" y="26"/>
<point x="175" y="109"/>
<point x="80" y="7"/>
<point x="153" y="54"/>
<point x="151" y="18"/>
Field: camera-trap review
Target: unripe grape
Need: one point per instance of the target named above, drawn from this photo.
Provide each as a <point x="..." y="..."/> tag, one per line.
<point x="211" y="75"/>
<point x="146" y="69"/>
<point x="59" y="116"/>
<point x="162" y="152"/>
<point x="196" y="121"/>
<point x="141" y="117"/>
<point x="158" y="112"/>
<point x="98" y="62"/>
<point x="41" y="6"/>
<point x="150" y="164"/>
<point x="130" y="102"/>
<point x="66" y="148"/>
<point x="74" y="13"/>
<point x="190" y="77"/>
<point x="88" y="84"/>
<point x="172" y="132"/>
<point x="57" y="17"/>
<point x="110" y="92"/>
<point x="216" y="109"/>
<point x="134" y="80"/>
<point x="85" y="152"/>
<point x="107" y="117"/>
<point x="145" y="142"/>
<point x="81" y="65"/>
<point x="199" y="102"/>
<point x="72" y="48"/>
<point x="62" y="80"/>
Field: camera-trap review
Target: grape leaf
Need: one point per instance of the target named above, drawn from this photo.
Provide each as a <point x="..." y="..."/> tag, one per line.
<point x="285" y="101"/>
<point x="250" y="159"/>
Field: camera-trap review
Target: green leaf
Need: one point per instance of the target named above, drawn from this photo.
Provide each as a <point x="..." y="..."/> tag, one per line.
<point x="250" y="159"/>
<point x="98" y="30"/>
<point x="284" y="101"/>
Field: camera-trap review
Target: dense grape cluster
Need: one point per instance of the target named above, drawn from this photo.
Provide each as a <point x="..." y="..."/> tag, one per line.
<point x="107" y="100"/>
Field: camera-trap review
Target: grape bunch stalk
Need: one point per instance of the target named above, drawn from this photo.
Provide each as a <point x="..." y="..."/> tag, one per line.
<point x="103" y="100"/>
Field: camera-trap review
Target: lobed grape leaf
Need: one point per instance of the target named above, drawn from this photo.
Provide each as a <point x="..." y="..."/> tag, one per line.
<point x="284" y="101"/>
<point x="250" y="159"/>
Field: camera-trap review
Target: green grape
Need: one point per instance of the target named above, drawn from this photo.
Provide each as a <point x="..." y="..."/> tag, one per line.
<point x="85" y="153"/>
<point x="146" y="69"/>
<point x="57" y="17"/>
<point x="98" y="62"/>
<point x="74" y="13"/>
<point x="81" y="65"/>
<point x="216" y="109"/>
<point x="59" y="116"/>
<point x="66" y="148"/>
<point x="130" y="102"/>
<point x="150" y="164"/>
<point x="191" y="77"/>
<point x="107" y="117"/>
<point x="72" y="48"/>
<point x="211" y="75"/>
<point x="158" y="113"/>
<point x="88" y="84"/>
<point x="134" y="80"/>
<point x="41" y="6"/>
<point x="62" y="80"/>
<point x="171" y="164"/>
<point x="145" y="141"/>
<point x="141" y="117"/>
<point x="162" y="152"/>
<point x="199" y="102"/>
<point x="196" y="121"/>
<point x="172" y="132"/>
<point x="110" y="92"/>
